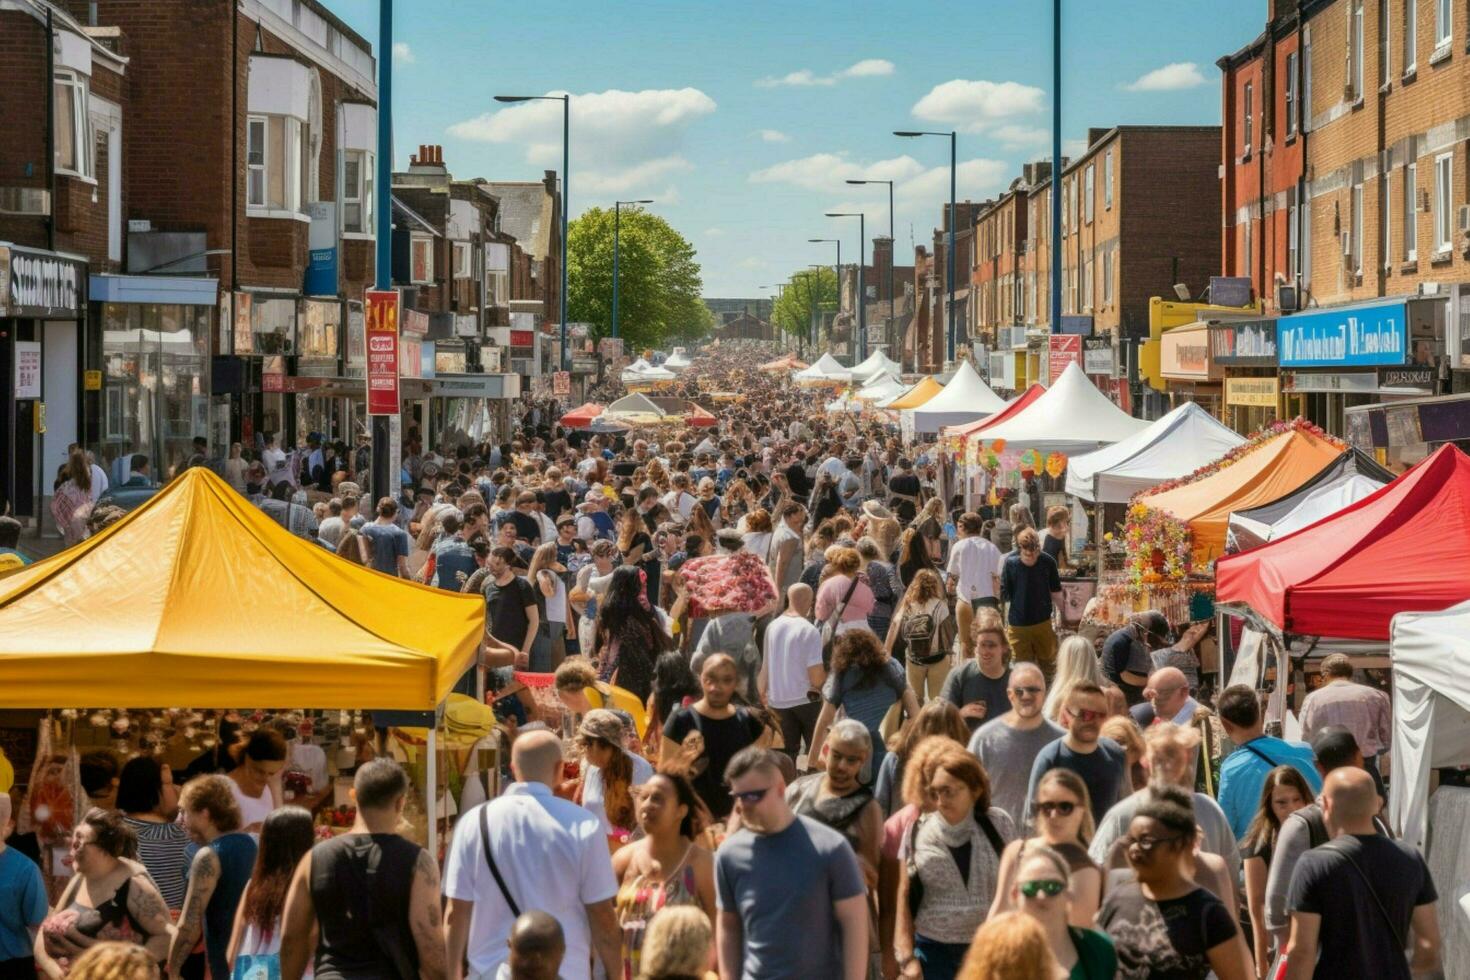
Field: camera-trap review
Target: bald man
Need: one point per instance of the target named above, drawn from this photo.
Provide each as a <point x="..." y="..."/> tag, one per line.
<point x="792" y="670"/>
<point x="536" y="947"/>
<point x="1168" y="699"/>
<point x="529" y="848"/>
<point x="1356" y="900"/>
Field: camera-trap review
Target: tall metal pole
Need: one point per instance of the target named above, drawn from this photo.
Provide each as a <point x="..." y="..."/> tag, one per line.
<point x="566" y="164"/>
<point x="892" y="254"/>
<point x="617" y="232"/>
<point x="1056" y="166"/>
<point x="383" y="466"/>
<point x="953" y="218"/>
<point x="837" y="304"/>
<point x="861" y="348"/>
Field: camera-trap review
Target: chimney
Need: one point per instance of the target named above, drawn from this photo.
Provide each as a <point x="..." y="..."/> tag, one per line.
<point x="882" y="263"/>
<point x="1094" y="134"/>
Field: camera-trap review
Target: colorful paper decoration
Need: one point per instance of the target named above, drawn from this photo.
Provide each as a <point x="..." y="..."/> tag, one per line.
<point x="1056" y="465"/>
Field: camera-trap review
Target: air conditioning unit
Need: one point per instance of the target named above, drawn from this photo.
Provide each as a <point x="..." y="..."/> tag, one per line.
<point x="1287" y="300"/>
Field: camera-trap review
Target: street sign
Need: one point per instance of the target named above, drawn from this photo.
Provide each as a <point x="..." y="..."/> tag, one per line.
<point x="561" y="383"/>
<point x="1097" y="356"/>
<point x="92" y="380"/>
<point x="1064" y="349"/>
<point x="381" y="310"/>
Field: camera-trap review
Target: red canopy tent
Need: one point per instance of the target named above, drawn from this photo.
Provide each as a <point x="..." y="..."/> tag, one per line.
<point x="582" y="416"/>
<point x="1014" y="408"/>
<point x="1405" y="547"/>
<point x="699" y="417"/>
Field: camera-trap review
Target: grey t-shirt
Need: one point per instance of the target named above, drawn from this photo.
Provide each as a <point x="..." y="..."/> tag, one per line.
<point x="389" y="542"/>
<point x="1007" y="754"/>
<point x="966" y="684"/>
<point x="784" y="886"/>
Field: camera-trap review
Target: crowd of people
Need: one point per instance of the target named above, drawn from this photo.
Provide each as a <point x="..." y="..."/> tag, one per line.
<point x="899" y="766"/>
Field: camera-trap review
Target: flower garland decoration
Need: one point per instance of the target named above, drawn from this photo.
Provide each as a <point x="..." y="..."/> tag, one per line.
<point x="1159" y="546"/>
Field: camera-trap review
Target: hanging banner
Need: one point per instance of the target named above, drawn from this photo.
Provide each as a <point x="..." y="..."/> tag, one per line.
<point x="381" y="315"/>
<point x="1064" y="349"/>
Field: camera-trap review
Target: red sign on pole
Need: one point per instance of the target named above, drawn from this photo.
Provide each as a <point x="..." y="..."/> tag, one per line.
<point x="561" y="383"/>
<point x="1064" y="349"/>
<point x="381" y="323"/>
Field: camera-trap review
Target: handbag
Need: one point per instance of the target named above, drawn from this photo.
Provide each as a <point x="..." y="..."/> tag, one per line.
<point x="829" y="625"/>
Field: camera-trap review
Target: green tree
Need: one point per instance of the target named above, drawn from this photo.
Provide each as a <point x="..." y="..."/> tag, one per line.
<point x="808" y="290"/>
<point x="659" y="283"/>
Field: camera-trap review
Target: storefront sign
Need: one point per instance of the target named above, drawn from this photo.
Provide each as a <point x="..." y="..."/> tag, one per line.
<point x="244" y="343"/>
<point x="478" y="386"/>
<point x="1361" y="335"/>
<point x="381" y="322"/>
<point x="1080" y="325"/>
<point x="1185" y="353"/>
<point x="1420" y="380"/>
<point x="1097" y="356"/>
<point x="321" y="321"/>
<point x="321" y="255"/>
<point x="273" y="383"/>
<point x="1245" y="343"/>
<point x="39" y="284"/>
<point x="522" y="338"/>
<point x="561" y="383"/>
<point x="1342" y="382"/>
<point x="27" y="370"/>
<point x="1252" y="392"/>
<point x="1062" y="349"/>
<point x="585" y="364"/>
<point x="410" y="358"/>
<point x="466" y="325"/>
<point x="356" y="342"/>
<point x="611" y="348"/>
<point x="1230" y="291"/>
<point x="415" y="323"/>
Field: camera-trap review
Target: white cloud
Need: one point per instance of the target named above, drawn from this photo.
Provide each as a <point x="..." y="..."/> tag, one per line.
<point x="1170" y="78"/>
<point x="974" y="105"/>
<point x="623" y="141"/>
<point x="827" y="171"/>
<point x="1013" y="136"/>
<point x="402" y="53"/>
<point x="774" y="136"/>
<point x="974" y="179"/>
<point x="805" y="77"/>
<point x="714" y="231"/>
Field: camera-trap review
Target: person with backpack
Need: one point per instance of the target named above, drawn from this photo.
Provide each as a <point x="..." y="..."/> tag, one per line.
<point x="921" y="634"/>
<point x="951" y="868"/>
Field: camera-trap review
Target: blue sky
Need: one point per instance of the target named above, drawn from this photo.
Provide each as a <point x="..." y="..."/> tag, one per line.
<point x="742" y="119"/>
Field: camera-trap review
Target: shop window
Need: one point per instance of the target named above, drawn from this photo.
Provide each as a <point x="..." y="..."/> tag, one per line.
<point x="421" y="264"/>
<point x="72" y="129"/>
<point x="1444" y="168"/>
<point x="277" y="163"/>
<point x="1411" y="206"/>
<point x="461" y="253"/>
<point x="1293" y="104"/>
<point x="357" y="192"/>
<point x="1247" y="128"/>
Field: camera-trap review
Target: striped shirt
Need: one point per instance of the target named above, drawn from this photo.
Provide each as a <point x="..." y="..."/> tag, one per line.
<point x="161" y="849"/>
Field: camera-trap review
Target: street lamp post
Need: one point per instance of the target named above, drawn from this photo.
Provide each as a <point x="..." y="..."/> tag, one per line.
<point x="837" y="271"/>
<point x="888" y="330"/>
<point x="953" y="217"/>
<point x="566" y="162"/>
<point x="617" y="233"/>
<point x="860" y="347"/>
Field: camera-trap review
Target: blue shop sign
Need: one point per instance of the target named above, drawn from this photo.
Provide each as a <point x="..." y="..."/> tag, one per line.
<point x="1348" y="335"/>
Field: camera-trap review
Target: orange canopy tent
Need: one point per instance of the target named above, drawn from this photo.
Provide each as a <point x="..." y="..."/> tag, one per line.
<point x="787" y="362"/>
<point x="582" y="416"/>
<point x="920" y="393"/>
<point x="1264" y="472"/>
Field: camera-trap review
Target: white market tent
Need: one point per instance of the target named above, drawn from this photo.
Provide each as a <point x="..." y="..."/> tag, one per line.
<point x="1173" y="446"/>
<point x="845" y="404"/>
<point x="827" y="370"/>
<point x="678" y="361"/>
<point x="966" y="398"/>
<point x="881" y="388"/>
<point x="641" y="370"/>
<point x="1071" y="416"/>
<point x="876" y="364"/>
<point x="1322" y="502"/>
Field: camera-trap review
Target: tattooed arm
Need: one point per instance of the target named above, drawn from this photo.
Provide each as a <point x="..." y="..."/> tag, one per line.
<point x="423" y="918"/>
<point x="151" y="913"/>
<point x="203" y="877"/>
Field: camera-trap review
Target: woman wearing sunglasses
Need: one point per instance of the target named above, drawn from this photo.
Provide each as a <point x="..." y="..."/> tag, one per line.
<point x="952" y="864"/>
<point x="1063" y="821"/>
<point x="1163" y="924"/>
<point x="1044" y="890"/>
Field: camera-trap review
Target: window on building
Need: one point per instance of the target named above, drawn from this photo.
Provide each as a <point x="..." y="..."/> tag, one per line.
<point x="1245" y="247"/>
<point x="1355" y="226"/>
<point x="1108" y="180"/>
<point x="1247" y="125"/>
<point x="421" y="259"/>
<point x="1066" y="204"/>
<point x="1411" y="37"/>
<point x="357" y="191"/>
<point x="1306" y="109"/>
<point x="497" y="274"/>
<point x="1087" y="274"/>
<point x="1385" y="224"/>
<point x="1293" y="249"/>
<point x="1411" y="206"/>
<point x="1355" y="49"/>
<point x="1089" y="181"/>
<point x="1304" y="202"/>
<point x="71" y="125"/>
<point x="460" y="258"/>
<point x="1107" y="277"/>
<point x="1443" y="25"/>
<point x="1385" y="45"/>
<point x="1292" y="102"/>
<point x="277" y="163"/>
<point x="1444" y="218"/>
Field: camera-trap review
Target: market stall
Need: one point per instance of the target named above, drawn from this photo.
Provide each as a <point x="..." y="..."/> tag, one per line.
<point x="1070" y="416"/>
<point x="783" y="364"/>
<point x="880" y="388"/>
<point x="1173" y="446"/>
<point x="827" y="371"/>
<point x="643" y="374"/>
<point x="581" y="416"/>
<point x="677" y="361"/>
<point x="199" y="599"/>
<point x="967" y="398"/>
<point x="919" y="394"/>
<point x="1346" y="480"/>
<point x="876" y="364"/>
<point x="633" y="410"/>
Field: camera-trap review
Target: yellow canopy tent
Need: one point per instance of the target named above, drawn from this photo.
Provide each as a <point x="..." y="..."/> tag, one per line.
<point x="198" y="599"/>
<point x="915" y="396"/>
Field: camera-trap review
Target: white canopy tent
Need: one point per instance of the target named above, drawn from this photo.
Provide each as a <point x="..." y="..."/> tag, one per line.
<point x="881" y="388"/>
<point x="1321" y="502"/>
<point x="966" y="398"/>
<point x="641" y="371"/>
<point x="876" y="364"/>
<point x="1071" y="416"/>
<point x="678" y="361"/>
<point x="1173" y="446"/>
<point x="845" y="403"/>
<point x="827" y="370"/>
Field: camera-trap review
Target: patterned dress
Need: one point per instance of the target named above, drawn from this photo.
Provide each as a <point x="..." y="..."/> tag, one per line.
<point x="641" y="897"/>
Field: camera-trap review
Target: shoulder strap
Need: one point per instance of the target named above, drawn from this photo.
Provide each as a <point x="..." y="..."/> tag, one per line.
<point x="515" y="910"/>
<point x="1393" y="927"/>
<point x="991" y="834"/>
<point x="1260" y="755"/>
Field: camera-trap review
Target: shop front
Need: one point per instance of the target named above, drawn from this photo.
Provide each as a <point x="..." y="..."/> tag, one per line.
<point x="469" y="409"/>
<point x="1188" y="369"/>
<point x="1245" y="353"/>
<point x="252" y="360"/>
<point x="43" y="303"/>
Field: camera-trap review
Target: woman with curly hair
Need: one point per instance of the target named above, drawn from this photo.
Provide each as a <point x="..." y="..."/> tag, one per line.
<point x="934" y="718"/>
<point x="864" y="682"/>
<point x="921" y="633"/>
<point x="1009" y="946"/>
<point x="843" y="591"/>
<point x="628" y="637"/>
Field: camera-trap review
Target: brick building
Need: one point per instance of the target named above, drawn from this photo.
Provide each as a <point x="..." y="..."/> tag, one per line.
<point x="881" y="304"/>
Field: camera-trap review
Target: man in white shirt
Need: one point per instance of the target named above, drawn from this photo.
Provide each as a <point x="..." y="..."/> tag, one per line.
<point x="551" y="854"/>
<point x="792" y="667"/>
<point x="833" y="465"/>
<point x="973" y="571"/>
<point x="679" y="500"/>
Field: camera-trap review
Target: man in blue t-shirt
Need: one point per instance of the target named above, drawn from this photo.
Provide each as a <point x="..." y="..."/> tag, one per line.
<point x="1031" y="586"/>
<point x="390" y="542"/>
<point x="22" y="903"/>
<point x="1243" y="772"/>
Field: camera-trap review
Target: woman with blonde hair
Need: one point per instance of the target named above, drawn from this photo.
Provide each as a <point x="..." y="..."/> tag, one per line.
<point x="1063" y="818"/>
<point x="923" y="631"/>
<point x="678" y="945"/>
<point x="549" y="648"/>
<point x="1124" y="730"/>
<point x="1076" y="661"/>
<point x="115" y="961"/>
<point x="1009" y="947"/>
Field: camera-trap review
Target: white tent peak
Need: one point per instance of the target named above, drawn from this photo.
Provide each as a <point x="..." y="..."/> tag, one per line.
<point x="1171" y="447"/>
<point x="877" y="363"/>
<point x="1070" y="416"/>
<point x="827" y="368"/>
<point x="966" y="398"/>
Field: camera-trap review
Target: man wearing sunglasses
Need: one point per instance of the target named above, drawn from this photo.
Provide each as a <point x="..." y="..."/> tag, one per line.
<point x="1100" y="762"/>
<point x="792" y="898"/>
<point x="1007" y="746"/>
